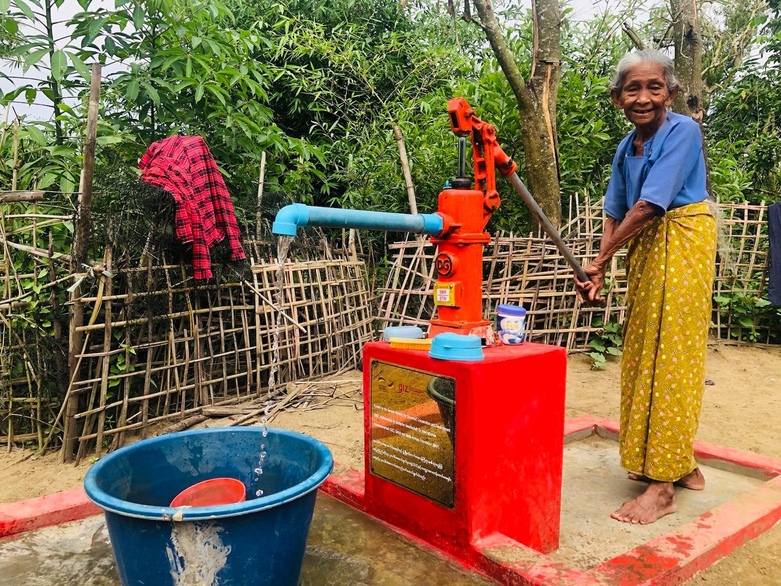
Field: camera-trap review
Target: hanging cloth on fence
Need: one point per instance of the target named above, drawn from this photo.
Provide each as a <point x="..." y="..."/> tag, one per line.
<point x="774" y="231"/>
<point x="185" y="168"/>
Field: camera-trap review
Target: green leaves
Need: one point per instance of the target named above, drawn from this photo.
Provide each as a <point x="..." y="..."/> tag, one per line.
<point x="318" y="89"/>
<point x="131" y="92"/>
<point x="80" y="66"/>
<point x="606" y="342"/>
<point x="36" y="135"/>
<point x="138" y="17"/>
<point x="58" y="64"/>
<point x="24" y="8"/>
<point x="151" y="92"/>
<point x="749" y="317"/>
<point x="744" y="134"/>
<point x="33" y="57"/>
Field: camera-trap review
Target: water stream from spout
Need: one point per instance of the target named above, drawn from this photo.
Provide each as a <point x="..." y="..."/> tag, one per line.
<point x="283" y="247"/>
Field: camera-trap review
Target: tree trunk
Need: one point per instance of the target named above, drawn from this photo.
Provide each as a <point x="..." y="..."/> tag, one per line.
<point x="687" y="38"/>
<point x="688" y="57"/>
<point x="536" y="97"/>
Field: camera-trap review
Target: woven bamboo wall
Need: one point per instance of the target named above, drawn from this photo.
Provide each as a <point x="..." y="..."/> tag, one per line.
<point x="34" y="276"/>
<point x="163" y="354"/>
<point x="155" y="345"/>
<point x="530" y="271"/>
<point x="742" y="277"/>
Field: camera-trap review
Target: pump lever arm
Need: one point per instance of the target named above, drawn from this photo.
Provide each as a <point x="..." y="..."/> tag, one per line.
<point x="487" y="155"/>
<point x="549" y="229"/>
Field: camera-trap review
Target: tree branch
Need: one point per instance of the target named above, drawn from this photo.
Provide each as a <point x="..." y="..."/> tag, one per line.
<point x="633" y="36"/>
<point x="503" y="54"/>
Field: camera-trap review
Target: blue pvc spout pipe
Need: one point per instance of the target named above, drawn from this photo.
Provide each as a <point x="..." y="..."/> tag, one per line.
<point x="296" y="215"/>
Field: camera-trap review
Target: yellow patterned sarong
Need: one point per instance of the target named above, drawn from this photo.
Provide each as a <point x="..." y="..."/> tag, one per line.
<point x="670" y="266"/>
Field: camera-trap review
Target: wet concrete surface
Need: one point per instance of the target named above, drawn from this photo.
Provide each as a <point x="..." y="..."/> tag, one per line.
<point x="71" y="554"/>
<point x="345" y="548"/>
<point x="595" y="485"/>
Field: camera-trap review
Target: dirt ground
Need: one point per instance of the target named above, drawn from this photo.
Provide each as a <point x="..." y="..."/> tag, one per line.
<point x="742" y="410"/>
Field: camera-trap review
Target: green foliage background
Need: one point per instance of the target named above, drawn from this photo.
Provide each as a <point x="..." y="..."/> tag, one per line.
<point x="317" y="85"/>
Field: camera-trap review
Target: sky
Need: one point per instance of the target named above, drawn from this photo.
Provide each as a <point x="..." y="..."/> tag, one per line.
<point x="60" y="15"/>
<point x="582" y="10"/>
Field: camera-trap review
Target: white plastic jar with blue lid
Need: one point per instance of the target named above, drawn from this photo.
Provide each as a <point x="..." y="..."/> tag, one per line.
<point x="511" y="323"/>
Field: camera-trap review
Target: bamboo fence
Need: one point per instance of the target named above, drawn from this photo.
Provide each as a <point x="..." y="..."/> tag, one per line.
<point x="167" y="352"/>
<point x="529" y="271"/>
<point x="154" y="345"/>
<point x="33" y="276"/>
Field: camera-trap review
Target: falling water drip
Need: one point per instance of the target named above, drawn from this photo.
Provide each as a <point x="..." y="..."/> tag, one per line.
<point x="262" y="458"/>
<point x="283" y="246"/>
<point x="264" y="420"/>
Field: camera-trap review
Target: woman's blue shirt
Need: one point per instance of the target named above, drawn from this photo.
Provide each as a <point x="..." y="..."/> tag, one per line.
<point x="670" y="173"/>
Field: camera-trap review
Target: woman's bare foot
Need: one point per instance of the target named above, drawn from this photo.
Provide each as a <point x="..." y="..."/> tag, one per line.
<point x="657" y="501"/>
<point x="694" y="480"/>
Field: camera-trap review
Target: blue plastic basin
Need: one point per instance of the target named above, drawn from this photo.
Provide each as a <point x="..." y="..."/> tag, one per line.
<point x="260" y="541"/>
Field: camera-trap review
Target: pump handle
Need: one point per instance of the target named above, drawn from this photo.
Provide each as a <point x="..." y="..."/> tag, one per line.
<point x="549" y="229"/>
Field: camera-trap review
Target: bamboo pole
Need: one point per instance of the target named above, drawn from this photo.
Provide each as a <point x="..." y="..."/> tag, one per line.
<point x="15" y="171"/>
<point x="81" y="245"/>
<point x="261" y="179"/>
<point x="80" y="248"/>
<point x="20" y="196"/>
<point x="413" y="204"/>
<point x="10" y="421"/>
<point x="107" y="338"/>
<point x="405" y="168"/>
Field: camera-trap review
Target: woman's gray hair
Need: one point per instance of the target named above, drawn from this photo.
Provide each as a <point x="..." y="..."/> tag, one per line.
<point x="629" y="60"/>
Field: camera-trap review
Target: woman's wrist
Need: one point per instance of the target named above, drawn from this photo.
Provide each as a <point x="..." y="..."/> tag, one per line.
<point x="600" y="264"/>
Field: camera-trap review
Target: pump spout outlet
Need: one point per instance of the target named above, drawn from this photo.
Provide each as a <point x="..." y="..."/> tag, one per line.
<point x="296" y="215"/>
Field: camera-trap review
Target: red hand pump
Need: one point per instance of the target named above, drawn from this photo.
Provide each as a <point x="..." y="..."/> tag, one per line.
<point x="466" y="211"/>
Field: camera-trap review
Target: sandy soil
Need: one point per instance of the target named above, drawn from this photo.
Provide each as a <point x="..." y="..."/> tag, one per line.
<point x="26" y="475"/>
<point x="742" y="409"/>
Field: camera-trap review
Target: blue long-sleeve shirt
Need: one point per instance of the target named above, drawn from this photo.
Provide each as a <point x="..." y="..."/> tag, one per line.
<point x="670" y="173"/>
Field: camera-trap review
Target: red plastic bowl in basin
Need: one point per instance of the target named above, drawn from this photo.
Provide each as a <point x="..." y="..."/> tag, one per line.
<point x="210" y="493"/>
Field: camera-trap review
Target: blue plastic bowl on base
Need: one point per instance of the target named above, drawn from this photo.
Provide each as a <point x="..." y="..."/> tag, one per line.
<point x="406" y="332"/>
<point x="258" y="542"/>
<point x="452" y="346"/>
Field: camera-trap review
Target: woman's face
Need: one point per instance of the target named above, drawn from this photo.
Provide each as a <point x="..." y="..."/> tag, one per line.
<point x="644" y="97"/>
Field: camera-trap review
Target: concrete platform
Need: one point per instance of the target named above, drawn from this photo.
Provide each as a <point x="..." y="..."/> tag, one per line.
<point x="741" y="501"/>
<point x="595" y="485"/>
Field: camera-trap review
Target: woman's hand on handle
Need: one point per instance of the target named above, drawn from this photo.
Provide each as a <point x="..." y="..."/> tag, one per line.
<point x="590" y="292"/>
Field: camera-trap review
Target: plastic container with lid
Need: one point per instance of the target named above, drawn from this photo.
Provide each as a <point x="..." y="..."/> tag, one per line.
<point x="511" y="323"/>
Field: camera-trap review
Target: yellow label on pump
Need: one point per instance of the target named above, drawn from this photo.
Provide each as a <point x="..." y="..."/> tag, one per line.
<point x="445" y="294"/>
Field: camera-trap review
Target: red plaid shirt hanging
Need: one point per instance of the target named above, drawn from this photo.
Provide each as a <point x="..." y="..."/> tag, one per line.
<point x="185" y="168"/>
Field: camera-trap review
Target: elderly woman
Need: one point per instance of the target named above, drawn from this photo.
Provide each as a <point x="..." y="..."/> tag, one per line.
<point x="655" y="203"/>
